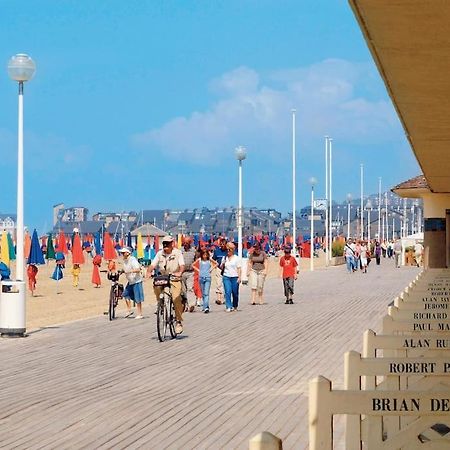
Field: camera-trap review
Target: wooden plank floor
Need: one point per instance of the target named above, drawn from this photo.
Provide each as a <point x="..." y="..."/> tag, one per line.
<point x="96" y="384"/>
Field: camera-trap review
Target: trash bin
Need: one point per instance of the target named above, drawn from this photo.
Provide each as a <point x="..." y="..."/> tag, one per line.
<point x="12" y="308"/>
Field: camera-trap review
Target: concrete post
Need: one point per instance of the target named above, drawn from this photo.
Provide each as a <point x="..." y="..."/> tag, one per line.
<point x="265" y="441"/>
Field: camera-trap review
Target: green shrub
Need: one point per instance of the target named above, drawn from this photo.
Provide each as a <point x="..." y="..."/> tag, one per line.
<point x="337" y="249"/>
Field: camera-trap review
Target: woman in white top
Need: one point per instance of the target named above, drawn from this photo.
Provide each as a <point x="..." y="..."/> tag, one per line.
<point x="363" y="257"/>
<point x="231" y="267"/>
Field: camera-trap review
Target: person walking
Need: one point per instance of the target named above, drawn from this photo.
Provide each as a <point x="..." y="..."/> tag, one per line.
<point x="363" y="257"/>
<point x="349" y="254"/>
<point x="219" y="255"/>
<point x="288" y="272"/>
<point x="257" y="272"/>
<point x="377" y="252"/>
<point x="231" y="267"/>
<point x="204" y="267"/>
<point x="134" y="290"/>
<point x="397" y="253"/>
<point x="187" y="278"/>
<point x="170" y="261"/>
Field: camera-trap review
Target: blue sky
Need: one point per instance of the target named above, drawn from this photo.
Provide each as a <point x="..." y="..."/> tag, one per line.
<point x="139" y="104"/>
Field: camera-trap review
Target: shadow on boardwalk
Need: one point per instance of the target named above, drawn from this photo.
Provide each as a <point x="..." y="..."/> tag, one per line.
<point x="96" y="384"/>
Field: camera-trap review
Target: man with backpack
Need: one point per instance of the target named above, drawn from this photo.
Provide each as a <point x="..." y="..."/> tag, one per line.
<point x="349" y="254"/>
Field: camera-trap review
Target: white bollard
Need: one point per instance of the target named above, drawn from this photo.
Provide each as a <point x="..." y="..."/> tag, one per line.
<point x="265" y="441"/>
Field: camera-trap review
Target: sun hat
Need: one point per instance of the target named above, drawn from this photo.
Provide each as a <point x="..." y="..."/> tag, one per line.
<point x="125" y="250"/>
<point x="167" y="239"/>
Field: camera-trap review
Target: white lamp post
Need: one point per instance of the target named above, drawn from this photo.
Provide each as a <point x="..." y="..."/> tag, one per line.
<point x="313" y="182"/>
<point x="241" y="154"/>
<point x="294" y="201"/>
<point x="21" y="68"/>
<point x="379" y="208"/>
<point x="349" y="201"/>
<point x="368" y="207"/>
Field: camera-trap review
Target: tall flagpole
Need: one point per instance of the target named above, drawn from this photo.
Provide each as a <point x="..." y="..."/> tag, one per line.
<point x="379" y="209"/>
<point x="327" y="256"/>
<point x="294" y="212"/>
<point x="330" y="218"/>
<point x="362" y="202"/>
<point x="387" y="215"/>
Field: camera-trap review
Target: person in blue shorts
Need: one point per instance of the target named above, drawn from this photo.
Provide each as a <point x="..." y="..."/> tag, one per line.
<point x="134" y="290"/>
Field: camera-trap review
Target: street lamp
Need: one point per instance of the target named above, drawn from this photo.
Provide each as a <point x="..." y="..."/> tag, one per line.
<point x="349" y="201"/>
<point x="313" y="182"/>
<point x="21" y="68"/>
<point x="368" y="207"/>
<point x="241" y="154"/>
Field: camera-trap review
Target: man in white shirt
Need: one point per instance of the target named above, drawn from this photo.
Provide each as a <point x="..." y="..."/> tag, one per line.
<point x="134" y="290"/>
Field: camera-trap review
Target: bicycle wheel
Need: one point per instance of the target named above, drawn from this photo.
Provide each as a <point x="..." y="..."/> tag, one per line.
<point x="161" y="319"/>
<point x="171" y="319"/>
<point x="112" y="304"/>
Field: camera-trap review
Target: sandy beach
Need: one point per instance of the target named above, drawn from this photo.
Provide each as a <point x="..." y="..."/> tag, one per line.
<point x="60" y="302"/>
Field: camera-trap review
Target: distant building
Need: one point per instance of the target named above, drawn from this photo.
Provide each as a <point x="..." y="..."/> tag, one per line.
<point x="72" y="214"/>
<point x="8" y="223"/>
<point x="109" y="217"/>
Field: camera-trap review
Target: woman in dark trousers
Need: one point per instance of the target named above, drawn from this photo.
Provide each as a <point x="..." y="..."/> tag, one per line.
<point x="378" y="252"/>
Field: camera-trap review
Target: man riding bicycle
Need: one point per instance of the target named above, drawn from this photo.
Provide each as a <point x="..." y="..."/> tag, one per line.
<point x="170" y="261"/>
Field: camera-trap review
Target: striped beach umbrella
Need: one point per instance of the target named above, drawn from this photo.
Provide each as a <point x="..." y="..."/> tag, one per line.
<point x="4" y="251"/>
<point x="139" y="247"/>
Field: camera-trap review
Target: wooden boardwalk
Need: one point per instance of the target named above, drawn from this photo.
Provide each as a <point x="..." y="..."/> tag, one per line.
<point x="95" y="384"/>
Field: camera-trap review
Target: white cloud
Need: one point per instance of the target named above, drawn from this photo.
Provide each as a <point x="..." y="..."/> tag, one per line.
<point x="253" y="109"/>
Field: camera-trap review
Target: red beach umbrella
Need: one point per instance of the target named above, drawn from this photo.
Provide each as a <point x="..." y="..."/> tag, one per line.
<point x="77" y="250"/>
<point x="108" y="251"/>
<point x="27" y="245"/>
<point x="156" y="243"/>
<point x="62" y="244"/>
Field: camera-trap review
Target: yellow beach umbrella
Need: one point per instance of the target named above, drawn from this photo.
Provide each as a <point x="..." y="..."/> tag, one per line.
<point x="140" y="247"/>
<point x="4" y="252"/>
<point x="180" y="240"/>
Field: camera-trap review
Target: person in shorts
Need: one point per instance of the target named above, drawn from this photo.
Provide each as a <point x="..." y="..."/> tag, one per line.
<point x="134" y="290"/>
<point x="257" y="272"/>
<point x="288" y="271"/>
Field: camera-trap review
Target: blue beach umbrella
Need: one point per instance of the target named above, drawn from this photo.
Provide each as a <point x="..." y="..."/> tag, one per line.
<point x="97" y="244"/>
<point x="58" y="273"/>
<point x="36" y="256"/>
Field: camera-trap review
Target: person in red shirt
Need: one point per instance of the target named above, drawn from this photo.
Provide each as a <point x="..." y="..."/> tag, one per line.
<point x="288" y="271"/>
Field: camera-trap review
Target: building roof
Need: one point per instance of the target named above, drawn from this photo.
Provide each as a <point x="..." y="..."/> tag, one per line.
<point x="410" y="45"/>
<point x="412" y="188"/>
<point x="88" y="226"/>
<point x="148" y="230"/>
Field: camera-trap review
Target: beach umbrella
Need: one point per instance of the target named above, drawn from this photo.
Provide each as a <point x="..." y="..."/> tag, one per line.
<point x="4" y="253"/>
<point x="129" y="243"/>
<point x="77" y="251"/>
<point x="12" y="251"/>
<point x="97" y="244"/>
<point x="180" y="240"/>
<point x="58" y="273"/>
<point x="156" y="243"/>
<point x="140" y="247"/>
<point x="108" y="247"/>
<point x="50" y="248"/>
<point x="62" y="243"/>
<point x="27" y="245"/>
<point x="35" y="255"/>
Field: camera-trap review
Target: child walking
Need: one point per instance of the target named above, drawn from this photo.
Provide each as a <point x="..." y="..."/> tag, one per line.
<point x="75" y="274"/>
<point x="288" y="271"/>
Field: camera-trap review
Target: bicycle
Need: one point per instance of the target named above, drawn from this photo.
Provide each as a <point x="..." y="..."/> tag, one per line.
<point x="165" y="312"/>
<point x="115" y="293"/>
